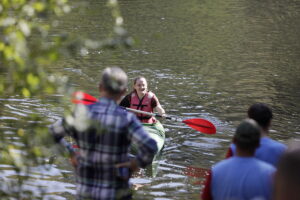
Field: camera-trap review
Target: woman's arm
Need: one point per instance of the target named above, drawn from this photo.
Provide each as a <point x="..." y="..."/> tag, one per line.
<point x="156" y="105"/>
<point x="160" y="110"/>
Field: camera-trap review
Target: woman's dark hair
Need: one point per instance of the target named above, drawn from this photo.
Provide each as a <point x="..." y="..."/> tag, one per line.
<point x="261" y="113"/>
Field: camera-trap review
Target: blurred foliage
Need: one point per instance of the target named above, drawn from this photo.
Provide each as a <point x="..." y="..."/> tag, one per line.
<point x="22" y="58"/>
<point x="27" y="51"/>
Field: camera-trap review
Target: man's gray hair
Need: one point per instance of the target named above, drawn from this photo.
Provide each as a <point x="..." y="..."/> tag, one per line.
<point x="114" y="80"/>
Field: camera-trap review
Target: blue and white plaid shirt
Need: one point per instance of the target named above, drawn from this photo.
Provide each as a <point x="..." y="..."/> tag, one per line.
<point x="104" y="132"/>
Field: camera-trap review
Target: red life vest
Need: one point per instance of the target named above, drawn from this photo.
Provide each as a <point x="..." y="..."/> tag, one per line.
<point x="143" y="104"/>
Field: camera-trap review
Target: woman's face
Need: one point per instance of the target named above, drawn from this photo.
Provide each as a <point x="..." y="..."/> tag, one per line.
<point x="141" y="86"/>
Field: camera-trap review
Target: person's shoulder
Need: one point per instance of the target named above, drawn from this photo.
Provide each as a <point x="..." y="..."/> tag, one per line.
<point x="122" y="111"/>
<point x="275" y="144"/>
<point x="223" y="163"/>
<point x="101" y="104"/>
<point x="128" y="115"/>
<point x="280" y="145"/>
<point x="94" y="107"/>
<point x="265" y="166"/>
<point x="232" y="146"/>
<point x="151" y="94"/>
<point x="128" y="96"/>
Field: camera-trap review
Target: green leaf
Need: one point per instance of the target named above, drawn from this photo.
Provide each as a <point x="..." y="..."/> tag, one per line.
<point x="37" y="152"/>
<point x="1" y="88"/>
<point x="8" y="52"/>
<point x="2" y="46"/>
<point x="33" y="80"/>
<point x="25" y="92"/>
<point x="20" y="132"/>
<point x="39" y="6"/>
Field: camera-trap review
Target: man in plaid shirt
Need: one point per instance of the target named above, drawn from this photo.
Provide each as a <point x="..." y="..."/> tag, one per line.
<point x="104" y="132"/>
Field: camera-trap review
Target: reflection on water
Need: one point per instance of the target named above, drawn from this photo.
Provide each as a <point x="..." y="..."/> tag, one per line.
<point x="42" y="180"/>
<point x="204" y="59"/>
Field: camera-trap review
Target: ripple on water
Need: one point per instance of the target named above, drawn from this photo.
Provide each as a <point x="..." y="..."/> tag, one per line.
<point x="200" y="145"/>
<point x="40" y="180"/>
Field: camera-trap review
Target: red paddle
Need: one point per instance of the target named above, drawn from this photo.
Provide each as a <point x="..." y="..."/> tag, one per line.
<point x="201" y="125"/>
<point x="84" y="98"/>
<point x="197" y="172"/>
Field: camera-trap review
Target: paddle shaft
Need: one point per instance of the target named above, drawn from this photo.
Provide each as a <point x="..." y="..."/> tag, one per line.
<point x="152" y="114"/>
<point x="166" y="117"/>
<point x="198" y="124"/>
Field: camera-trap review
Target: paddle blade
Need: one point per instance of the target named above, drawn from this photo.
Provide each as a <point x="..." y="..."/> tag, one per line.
<point x="196" y="172"/>
<point x="83" y="98"/>
<point x="202" y="125"/>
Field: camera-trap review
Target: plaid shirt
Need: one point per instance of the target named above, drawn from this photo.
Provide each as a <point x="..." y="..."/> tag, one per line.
<point x="104" y="132"/>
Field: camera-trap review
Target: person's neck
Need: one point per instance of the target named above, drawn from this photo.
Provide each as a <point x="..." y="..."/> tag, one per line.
<point x="243" y="153"/>
<point x="109" y="96"/>
<point x="265" y="132"/>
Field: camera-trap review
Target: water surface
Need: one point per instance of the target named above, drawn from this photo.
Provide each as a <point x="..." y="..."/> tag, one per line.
<point x="207" y="59"/>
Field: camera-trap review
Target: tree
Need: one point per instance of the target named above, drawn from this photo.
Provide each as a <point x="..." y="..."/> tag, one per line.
<point x="26" y="54"/>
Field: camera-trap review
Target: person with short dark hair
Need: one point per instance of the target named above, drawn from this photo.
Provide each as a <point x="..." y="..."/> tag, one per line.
<point x="241" y="177"/>
<point x="269" y="150"/>
<point x="287" y="178"/>
<point x="104" y="131"/>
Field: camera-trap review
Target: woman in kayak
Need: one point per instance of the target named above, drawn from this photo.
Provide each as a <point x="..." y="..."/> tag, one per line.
<point x="142" y="99"/>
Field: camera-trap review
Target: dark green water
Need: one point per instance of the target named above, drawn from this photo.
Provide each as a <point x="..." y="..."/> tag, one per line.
<point x="203" y="58"/>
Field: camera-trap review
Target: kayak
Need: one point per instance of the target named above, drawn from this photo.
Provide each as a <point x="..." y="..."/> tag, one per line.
<point x="157" y="132"/>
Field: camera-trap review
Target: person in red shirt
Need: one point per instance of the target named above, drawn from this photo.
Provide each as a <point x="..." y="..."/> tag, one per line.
<point x="269" y="149"/>
<point x="241" y="177"/>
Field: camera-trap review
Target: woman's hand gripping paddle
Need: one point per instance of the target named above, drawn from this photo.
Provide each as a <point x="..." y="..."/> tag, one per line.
<point x="201" y="125"/>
